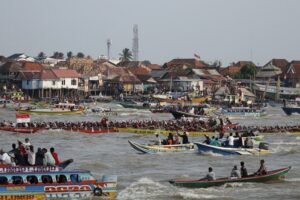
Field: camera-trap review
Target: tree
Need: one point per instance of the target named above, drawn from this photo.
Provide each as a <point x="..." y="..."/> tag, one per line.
<point x="126" y="55"/>
<point x="70" y="54"/>
<point x="248" y="70"/>
<point x="41" y="55"/>
<point x="58" y="55"/>
<point x="80" y="55"/>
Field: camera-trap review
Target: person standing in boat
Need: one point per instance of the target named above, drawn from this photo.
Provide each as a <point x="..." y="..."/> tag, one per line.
<point x="231" y="141"/>
<point x="4" y="158"/>
<point x="262" y="169"/>
<point x="39" y="157"/>
<point x="55" y="156"/>
<point x="244" y="172"/>
<point x="31" y="155"/>
<point x="158" y="140"/>
<point x="185" y="138"/>
<point x="48" y="158"/>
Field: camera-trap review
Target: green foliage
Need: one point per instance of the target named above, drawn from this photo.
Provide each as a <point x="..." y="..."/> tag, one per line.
<point x="247" y="71"/>
<point x="126" y="55"/>
<point x="80" y="55"/>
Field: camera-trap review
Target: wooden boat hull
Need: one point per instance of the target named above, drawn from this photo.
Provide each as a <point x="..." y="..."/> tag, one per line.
<point x="50" y="112"/>
<point x="152" y="149"/>
<point x="94" y="131"/>
<point x="19" y="130"/>
<point x="245" y="114"/>
<point x="180" y="114"/>
<point x="194" y="100"/>
<point x="161" y="131"/>
<point x="291" y="110"/>
<point x="271" y="176"/>
<point x="225" y="151"/>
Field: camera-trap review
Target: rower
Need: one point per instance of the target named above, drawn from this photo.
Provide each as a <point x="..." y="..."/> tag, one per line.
<point x="210" y="176"/>
<point x="244" y="172"/>
<point x="262" y="169"/>
<point x="185" y="139"/>
<point x="4" y="158"/>
<point x="235" y="172"/>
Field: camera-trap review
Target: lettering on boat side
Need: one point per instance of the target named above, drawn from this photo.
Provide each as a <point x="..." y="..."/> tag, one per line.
<point x="18" y="197"/>
<point x="15" y="188"/>
<point x="69" y="195"/>
<point x="68" y="188"/>
<point x="29" y="169"/>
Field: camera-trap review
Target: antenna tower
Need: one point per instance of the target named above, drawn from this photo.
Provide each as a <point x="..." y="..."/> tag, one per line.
<point x="135" y="44"/>
<point x="108" y="43"/>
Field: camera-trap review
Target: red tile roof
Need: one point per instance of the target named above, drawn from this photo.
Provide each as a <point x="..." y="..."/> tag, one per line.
<point x="281" y="63"/>
<point x="66" y="73"/>
<point x="139" y="70"/>
<point x="153" y="66"/>
<point x="47" y="74"/>
<point x="31" y="66"/>
<point x="195" y="63"/>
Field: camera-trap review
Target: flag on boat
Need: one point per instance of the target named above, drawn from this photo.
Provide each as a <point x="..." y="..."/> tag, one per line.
<point x="22" y="118"/>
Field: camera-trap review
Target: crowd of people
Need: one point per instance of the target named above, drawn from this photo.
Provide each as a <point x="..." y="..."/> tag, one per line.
<point x="24" y="155"/>
<point x="191" y="125"/>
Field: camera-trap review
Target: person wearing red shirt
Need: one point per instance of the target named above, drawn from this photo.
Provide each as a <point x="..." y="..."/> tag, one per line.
<point x="55" y="156"/>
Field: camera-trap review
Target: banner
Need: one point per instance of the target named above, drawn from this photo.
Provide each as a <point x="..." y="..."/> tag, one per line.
<point x="23" y="118"/>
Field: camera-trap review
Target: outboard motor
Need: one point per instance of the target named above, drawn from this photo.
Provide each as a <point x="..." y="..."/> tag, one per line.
<point x="263" y="145"/>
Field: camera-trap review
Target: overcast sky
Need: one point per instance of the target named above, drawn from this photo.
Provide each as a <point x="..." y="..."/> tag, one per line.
<point x="226" y="30"/>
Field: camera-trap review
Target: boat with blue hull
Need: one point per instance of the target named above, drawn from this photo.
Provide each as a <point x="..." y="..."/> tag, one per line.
<point x="227" y="151"/>
<point x="50" y="183"/>
<point x="244" y="111"/>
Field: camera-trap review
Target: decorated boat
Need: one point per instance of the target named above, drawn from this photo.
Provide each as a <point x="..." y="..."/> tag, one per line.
<point x="48" y="183"/>
<point x="152" y="149"/>
<point x="225" y="151"/>
<point x="137" y="104"/>
<point x="244" y="111"/>
<point x="271" y="176"/>
<point x="183" y="99"/>
<point x="57" y="109"/>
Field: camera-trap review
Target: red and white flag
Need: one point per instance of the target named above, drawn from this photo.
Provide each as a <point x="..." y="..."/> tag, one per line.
<point x="196" y="56"/>
<point x="22" y="118"/>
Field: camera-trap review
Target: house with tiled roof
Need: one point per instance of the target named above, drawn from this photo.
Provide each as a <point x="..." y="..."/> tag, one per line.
<point x="191" y="62"/>
<point x="292" y="75"/>
<point x="50" y="82"/>
<point x="234" y="68"/>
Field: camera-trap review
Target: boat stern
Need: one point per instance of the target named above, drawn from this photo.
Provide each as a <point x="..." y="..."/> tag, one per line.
<point x="106" y="188"/>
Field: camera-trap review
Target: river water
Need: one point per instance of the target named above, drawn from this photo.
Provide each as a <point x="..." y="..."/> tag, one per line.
<point x="145" y="176"/>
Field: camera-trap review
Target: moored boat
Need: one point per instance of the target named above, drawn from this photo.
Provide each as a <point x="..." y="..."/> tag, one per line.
<point x="196" y="183"/>
<point x="225" y="151"/>
<point x="152" y="149"/>
<point x="179" y="114"/>
<point x="56" y="184"/>
<point x="57" y="109"/>
<point x="244" y="111"/>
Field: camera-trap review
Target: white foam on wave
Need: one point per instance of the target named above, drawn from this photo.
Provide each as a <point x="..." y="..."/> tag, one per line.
<point x="142" y="189"/>
<point x="283" y="149"/>
<point x="292" y="179"/>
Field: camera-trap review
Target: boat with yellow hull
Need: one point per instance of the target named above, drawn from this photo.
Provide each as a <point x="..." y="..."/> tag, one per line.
<point x="194" y="100"/>
<point x="47" y="111"/>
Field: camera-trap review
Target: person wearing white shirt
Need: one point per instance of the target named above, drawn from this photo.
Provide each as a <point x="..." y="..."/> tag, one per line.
<point x="230" y="140"/>
<point x="48" y="158"/>
<point x="5" y="158"/>
<point x="31" y="155"/>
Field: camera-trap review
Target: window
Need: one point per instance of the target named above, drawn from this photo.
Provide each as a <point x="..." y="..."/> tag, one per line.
<point x="61" y="179"/>
<point x="73" y="82"/>
<point x="53" y="82"/>
<point x="47" y="179"/>
<point x="75" y="178"/>
<point x="32" y="179"/>
<point x="3" y="180"/>
<point x="63" y="82"/>
<point x="17" y="180"/>
<point x="28" y="82"/>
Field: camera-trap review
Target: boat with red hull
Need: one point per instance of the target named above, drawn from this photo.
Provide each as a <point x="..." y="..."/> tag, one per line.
<point x="19" y="129"/>
<point x="94" y="131"/>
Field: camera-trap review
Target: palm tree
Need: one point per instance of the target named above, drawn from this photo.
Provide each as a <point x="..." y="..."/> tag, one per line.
<point x="126" y="55"/>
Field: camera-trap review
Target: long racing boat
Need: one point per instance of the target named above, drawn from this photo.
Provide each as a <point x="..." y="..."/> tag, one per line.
<point x="273" y="175"/>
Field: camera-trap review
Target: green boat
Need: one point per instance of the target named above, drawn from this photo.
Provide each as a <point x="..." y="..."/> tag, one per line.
<point x="274" y="175"/>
